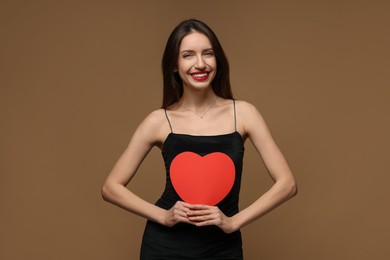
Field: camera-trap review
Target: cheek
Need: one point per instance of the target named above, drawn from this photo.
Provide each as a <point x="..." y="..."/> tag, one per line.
<point x="182" y="65"/>
<point x="182" y="75"/>
<point x="214" y="66"/>
<point x="213" y="63"/>
<point x="182" y="71"/>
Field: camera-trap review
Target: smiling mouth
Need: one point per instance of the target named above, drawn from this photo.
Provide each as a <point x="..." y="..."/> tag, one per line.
<point x="200" y="76"/>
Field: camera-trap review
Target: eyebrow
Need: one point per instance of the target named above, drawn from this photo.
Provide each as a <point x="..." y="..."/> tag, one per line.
<point x="208" y="49"/>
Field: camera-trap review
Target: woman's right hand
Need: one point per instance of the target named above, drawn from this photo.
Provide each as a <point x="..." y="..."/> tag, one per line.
<point x="178" y="213"/>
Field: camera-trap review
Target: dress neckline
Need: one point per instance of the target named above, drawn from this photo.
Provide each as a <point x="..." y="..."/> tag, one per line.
<point x="202" y="136"/>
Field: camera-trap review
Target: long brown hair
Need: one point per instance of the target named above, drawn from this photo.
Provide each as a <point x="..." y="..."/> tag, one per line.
<point x="173" y="85"/>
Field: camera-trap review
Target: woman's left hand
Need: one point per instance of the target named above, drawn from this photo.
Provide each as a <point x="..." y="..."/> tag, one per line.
<point x="204" y="215"/>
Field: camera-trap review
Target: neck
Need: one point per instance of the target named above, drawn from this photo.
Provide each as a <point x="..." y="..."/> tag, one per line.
<point x="198" y="101"/>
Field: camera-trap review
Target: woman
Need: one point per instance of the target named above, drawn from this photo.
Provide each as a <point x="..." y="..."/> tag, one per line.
<point x="201" y="131"/>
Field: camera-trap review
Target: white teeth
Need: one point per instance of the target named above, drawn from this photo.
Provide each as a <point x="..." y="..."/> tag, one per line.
<point x="200" y="75"/>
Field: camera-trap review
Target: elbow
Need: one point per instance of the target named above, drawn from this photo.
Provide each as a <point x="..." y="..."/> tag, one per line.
<point x="105" y="192"/>
<point x="293" y="188"/>
<point x="289" y="188"/>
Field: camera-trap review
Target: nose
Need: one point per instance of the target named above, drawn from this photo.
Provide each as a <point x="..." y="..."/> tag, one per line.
<point x="200" y="64"/>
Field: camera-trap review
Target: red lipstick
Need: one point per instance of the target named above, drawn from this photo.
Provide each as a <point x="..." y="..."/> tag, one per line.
<point x="200" y="76"/>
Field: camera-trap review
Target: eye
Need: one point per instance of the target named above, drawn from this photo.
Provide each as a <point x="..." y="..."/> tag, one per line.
<point x="187" y="54"/>
<point x="209" y="53"/>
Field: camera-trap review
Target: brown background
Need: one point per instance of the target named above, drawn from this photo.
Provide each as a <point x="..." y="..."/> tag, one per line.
<point x="78" y="76"/>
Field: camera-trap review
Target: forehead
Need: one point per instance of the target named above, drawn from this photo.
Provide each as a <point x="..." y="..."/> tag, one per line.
<point x="195" y="41"/>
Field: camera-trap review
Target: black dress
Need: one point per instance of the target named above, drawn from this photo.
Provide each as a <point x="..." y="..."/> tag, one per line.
<point x="186" y="241"/>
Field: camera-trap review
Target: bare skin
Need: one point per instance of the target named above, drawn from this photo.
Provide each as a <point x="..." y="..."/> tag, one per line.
<point x="199" y="99"/>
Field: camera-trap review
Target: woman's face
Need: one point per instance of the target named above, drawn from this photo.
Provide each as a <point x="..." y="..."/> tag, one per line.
<point x="196" y="63"/>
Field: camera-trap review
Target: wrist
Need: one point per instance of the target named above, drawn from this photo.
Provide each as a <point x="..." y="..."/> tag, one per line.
<point x="230" y="225"/>
<point x="235" y="224"/>
<point x="162" y="217"/>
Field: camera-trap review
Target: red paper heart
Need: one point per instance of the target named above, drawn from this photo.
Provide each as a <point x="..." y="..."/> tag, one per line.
<point x="202" y="180"/>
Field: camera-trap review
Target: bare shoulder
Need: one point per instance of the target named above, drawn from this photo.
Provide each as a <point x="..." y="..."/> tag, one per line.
<point x="248" y="116"/>
<point x="154" y="127"/>
<point x="244" y="106"/>
<point x="155" y="118"/>
<point x="246" y="110"/>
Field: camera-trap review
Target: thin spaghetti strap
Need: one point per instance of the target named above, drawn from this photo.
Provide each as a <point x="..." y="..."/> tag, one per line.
<point x="169" y="122"/>
<point x="235" y="120"/>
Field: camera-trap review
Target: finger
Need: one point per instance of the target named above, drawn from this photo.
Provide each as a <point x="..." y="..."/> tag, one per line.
<point x="180" y="214"/>
<point x="181" y="211"/>
<point x="184" y="204"/>
<point x="206" y="223"/>
<point x="200" y="218"/>
<point x="181" y="206"/>
<point x="184" y="220"/>
<point x="193" y="213"/>
<point x="204" y="217"/>
<point x="199" y="206"/>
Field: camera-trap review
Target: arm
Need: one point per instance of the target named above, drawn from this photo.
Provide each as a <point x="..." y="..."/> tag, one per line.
<point x="149" y="133"/>
<point x="284" y="187"/>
